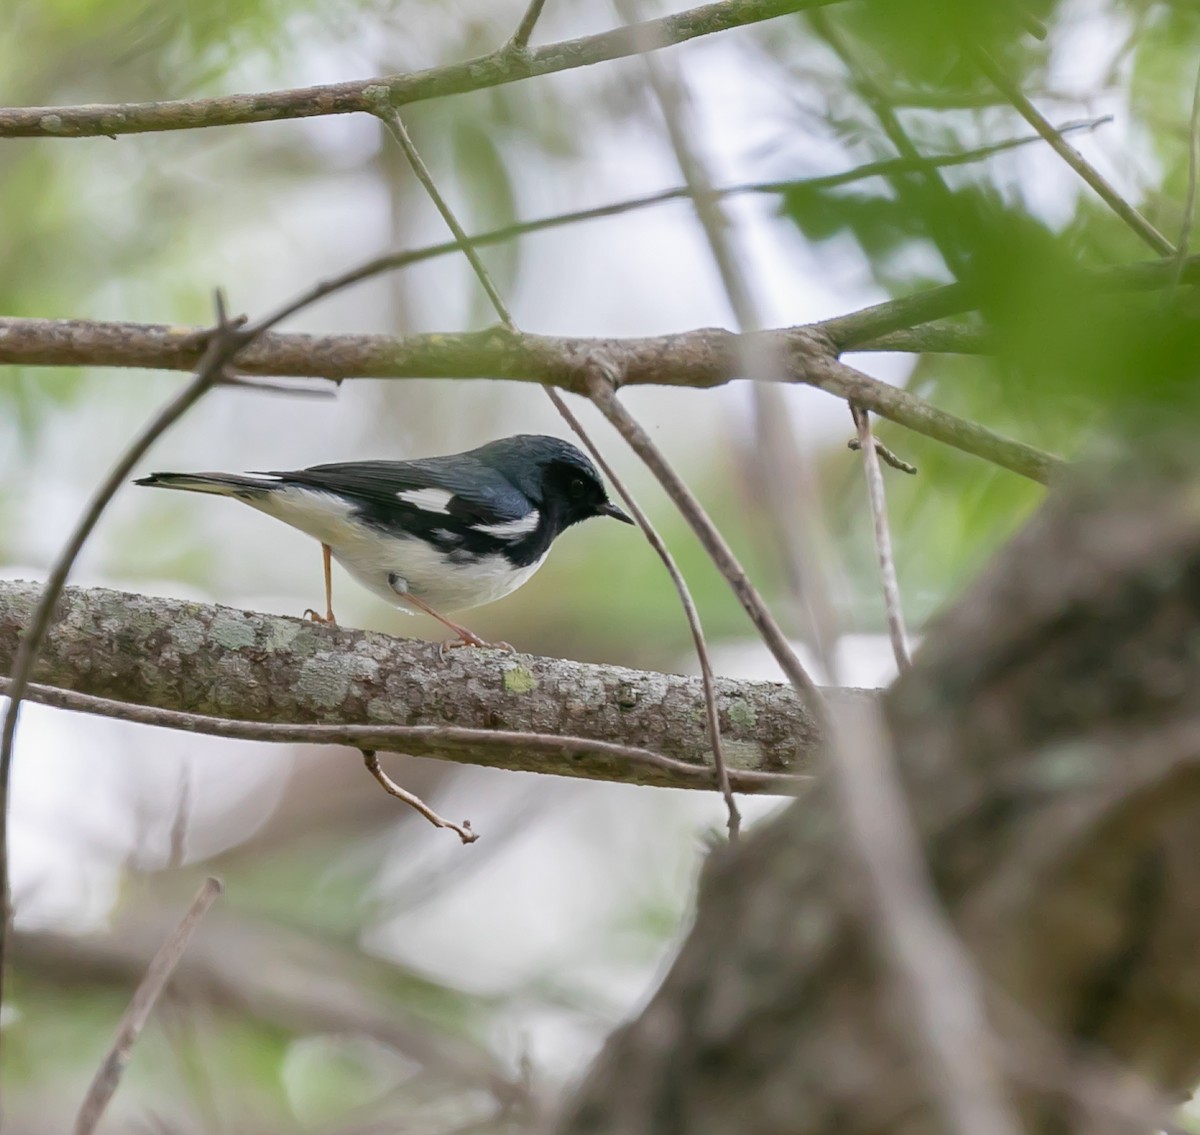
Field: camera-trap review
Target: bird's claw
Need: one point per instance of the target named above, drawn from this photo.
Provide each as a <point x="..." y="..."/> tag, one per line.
<point x="327" y="619"/>
<point x="474" y="640"/>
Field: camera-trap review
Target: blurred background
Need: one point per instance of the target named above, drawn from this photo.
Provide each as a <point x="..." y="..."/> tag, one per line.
<point x="363" y="970"/>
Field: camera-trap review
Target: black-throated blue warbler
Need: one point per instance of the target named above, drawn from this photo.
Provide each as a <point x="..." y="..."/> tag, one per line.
<point x="439" y="533"/>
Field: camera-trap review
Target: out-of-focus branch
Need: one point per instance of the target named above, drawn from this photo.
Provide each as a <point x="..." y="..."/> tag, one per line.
<point x="703" y="358"/>
<point x="887" y="167"/>
<point x="234" y="964"/>
<point x="1103" y="188"/>
<point x="154" y="981"/>
<point x="193" y="658"/>
<point x="369" y="96"/>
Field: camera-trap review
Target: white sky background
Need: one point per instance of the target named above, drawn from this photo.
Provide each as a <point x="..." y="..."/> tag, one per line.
<point x="645" y="273"/>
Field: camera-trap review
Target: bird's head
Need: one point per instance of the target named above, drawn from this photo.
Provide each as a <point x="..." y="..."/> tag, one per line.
<point x="554" y="475"/>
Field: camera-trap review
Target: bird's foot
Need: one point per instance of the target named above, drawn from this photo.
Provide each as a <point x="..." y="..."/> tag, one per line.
<point x="468" y="638"/>
<point x="327" y="619"/>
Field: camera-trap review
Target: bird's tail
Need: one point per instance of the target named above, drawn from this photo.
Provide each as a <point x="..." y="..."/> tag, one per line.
<point x="222" y="484"/>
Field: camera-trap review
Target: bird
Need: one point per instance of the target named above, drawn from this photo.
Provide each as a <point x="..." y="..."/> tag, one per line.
<point x="437" y="533"/>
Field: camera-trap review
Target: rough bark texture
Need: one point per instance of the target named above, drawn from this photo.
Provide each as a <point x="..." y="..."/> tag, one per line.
<point x="1049" y="737"/>
<point x="218" y="661"/>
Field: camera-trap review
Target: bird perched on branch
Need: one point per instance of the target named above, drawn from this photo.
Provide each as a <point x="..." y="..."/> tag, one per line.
<point x="439" y="534"/>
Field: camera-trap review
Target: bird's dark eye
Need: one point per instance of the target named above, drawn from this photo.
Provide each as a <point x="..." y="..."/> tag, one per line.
<point x="577" y="488"/>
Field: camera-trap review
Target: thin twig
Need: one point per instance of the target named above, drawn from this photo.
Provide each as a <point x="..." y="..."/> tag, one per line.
<point x="733" y="821"/>
<point x="756" y="364"/>
<point x="520" y="38"/>
<point x="884" y="168"/>
<point x="883" y="539"/>
<point x="604" y="396"/>
<point x="887" y="456"/>
<point x="423" y="740"/>
<point x="1189" y="205"/>
<point x="108" y="1076"/>
<point x="1068" y="153"/>
<point x="396" y="125"/>
<point x="369" y="96"/>
<point x="463" y="830"/>
<point x="222" y="346"/>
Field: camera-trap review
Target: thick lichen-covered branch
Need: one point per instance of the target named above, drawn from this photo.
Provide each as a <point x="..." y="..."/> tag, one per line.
<point x="228" y="664"/>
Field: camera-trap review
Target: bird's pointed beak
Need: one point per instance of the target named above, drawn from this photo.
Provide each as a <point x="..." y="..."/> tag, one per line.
<point x="610" y="509"/>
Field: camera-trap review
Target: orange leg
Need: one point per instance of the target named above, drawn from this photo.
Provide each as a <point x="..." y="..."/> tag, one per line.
<point x="328" y="617"/>
<point x="465" y="637"/>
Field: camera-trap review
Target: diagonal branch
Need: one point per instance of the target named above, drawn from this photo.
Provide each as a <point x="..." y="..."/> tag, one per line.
<point x="145" y="997"/>
<point x="370" y="96"/>
<point x="395" y="124"/>
<point x="1094" y="178"/>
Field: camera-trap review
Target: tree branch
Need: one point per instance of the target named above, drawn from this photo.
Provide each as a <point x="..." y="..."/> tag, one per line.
<point x="283" y="679"/>
<point x="703" y="358"/>
<point x="369" y="96"/>
<point x="145" y="997"/>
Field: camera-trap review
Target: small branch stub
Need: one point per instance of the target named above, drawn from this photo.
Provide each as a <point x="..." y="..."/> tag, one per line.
<point x="463" y="830"/>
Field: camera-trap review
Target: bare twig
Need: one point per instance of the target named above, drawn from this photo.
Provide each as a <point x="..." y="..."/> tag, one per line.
<point x="520" y="38"/>
<point x="369" y="96"/>
<point x="604" y="396"/>
<point x="883" y="538"/>
<point x="886" y="455"/>
<point x="396" y="125"/>
<point x="673" y="106"/>
<point x="463" y="831"/>
<point x="1068" y="153"/>
<point x="222" y="345"/>
<point x="711" y="710"/>
<point x="885" y="168"/>
<point x="421" y="740"/>
<point x="108" y="1076"/>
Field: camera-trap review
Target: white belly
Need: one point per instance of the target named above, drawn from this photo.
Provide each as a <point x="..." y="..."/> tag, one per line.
<point x="374" y="558"/>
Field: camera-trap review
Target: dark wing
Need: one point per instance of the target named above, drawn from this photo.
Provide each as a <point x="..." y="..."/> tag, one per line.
<point x="389" y="492"/>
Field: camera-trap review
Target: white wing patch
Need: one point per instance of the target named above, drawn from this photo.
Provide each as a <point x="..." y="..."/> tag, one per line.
<point x="510" y="528"/>
<point x="428" y="500"/>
